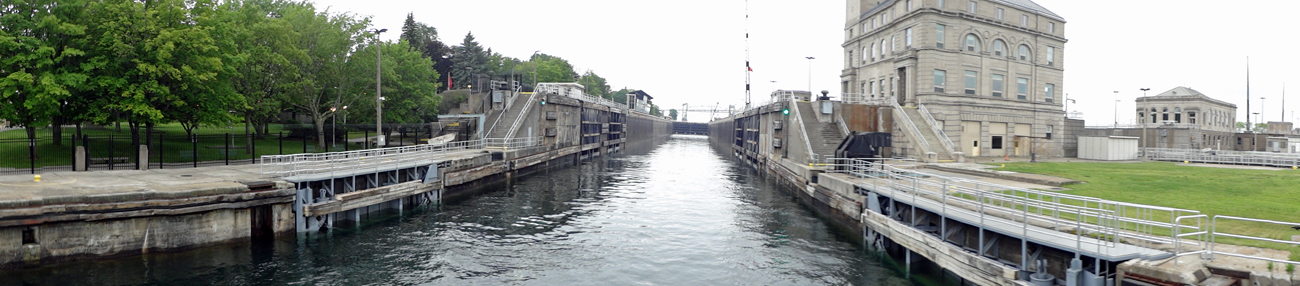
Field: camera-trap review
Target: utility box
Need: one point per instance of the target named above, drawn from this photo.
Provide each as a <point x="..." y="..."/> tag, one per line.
<point x="776" y="143"/>
<point x="777" y="125"/>
<point x="1108" y="148"/>
<point x="550" y="115"/>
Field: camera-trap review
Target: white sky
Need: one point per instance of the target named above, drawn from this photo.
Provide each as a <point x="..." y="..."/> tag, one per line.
<point x="694" y="51"/>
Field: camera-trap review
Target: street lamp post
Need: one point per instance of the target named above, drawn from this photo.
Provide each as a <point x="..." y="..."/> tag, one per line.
<point x="1143" y="121"/>
<point x="379" y="91"/>
<point x="809" y="76"/>
<point x="1254" y="144"/>
<point x="533" y="59"/>
<point x="334" y="135"/>
<point x="1115" y="111"/>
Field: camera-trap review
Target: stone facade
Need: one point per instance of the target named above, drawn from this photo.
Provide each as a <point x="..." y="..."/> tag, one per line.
<point x="987" y="70"/>
<point x="1180" y="118"/>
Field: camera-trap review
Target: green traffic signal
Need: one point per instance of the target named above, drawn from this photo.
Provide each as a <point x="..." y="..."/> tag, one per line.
<point x="785" y="111"/>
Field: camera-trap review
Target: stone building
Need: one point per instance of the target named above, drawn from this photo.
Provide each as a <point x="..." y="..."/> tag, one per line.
<point x="1181" y="118"/>
<point x="989" y="72"/>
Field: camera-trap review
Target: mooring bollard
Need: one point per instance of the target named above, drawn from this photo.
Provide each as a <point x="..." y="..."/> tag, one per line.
<point x="38" y="178"/>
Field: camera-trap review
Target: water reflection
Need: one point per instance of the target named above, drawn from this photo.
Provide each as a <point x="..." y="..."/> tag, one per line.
<point x="675" y="213"/>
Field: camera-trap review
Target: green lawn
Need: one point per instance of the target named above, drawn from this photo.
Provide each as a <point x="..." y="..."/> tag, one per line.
<point x="1261" y="194"/>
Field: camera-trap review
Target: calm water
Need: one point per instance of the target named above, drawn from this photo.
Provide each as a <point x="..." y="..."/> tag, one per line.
<point x="678" y="213"/>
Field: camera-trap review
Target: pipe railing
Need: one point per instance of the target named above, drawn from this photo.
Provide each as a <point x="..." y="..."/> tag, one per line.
<point x="917" y="137"/>
<point x="803" y="129"/>
<point x="1143" y="224"/>
<point x="866" y="99"/>
<point x="1284" y="160"/>
<point x="519" y="121"/>
<point x="938" y="130"/>
<point x="348" y="161"/>
<point x="1214" y="234"/>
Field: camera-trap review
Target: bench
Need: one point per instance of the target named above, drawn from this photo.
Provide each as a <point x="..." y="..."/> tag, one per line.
<point x="106" y="160"/>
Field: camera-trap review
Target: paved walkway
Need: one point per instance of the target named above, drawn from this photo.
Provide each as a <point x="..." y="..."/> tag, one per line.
<point x="124" y="185"/>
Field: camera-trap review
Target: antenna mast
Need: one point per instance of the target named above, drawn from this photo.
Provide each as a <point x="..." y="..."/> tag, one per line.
<point x="748" y="69"/>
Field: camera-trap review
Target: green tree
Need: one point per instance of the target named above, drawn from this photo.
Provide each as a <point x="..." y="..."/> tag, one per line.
<point x="263" y="42"/>
<point x="553" y="69"/>
<point x="424" y="38"/>
<point x="325" y="79"/>
<point x="594" y="84"/>
<point x="44" y="63"/>
<point x="470" y="59"/>
<point x="410" y="90"/>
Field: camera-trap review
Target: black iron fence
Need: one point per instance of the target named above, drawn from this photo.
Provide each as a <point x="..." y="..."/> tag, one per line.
<point x="166" y="150"/>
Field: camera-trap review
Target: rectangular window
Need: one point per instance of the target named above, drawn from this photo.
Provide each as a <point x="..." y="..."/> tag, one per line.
<point x="941" y="4"/>
<point x="1048" y="92"/>
<point x="872" y="89"/>
<point x="938" y="80"/>
<point x="909" y="38"/>
<point x="893" y="43"/>
<point x="1191" y="117"/>
<point x="1051" y="27"/>
<point x="1024" y="20"/>
<point x="909" y="5"/>
<point x="1022" y="87"/>
<point x="997" y="85"/>
<point x="886" y="21"/>
<point x="1049" y="132"/>
<point x="971" y="79"/>
<point x="999" y="13"/>
<point x="971" y="7"/>
<point x="997" y="142"/>
<point x="938" y="36"/>
<point x="882" y="87"/>
<point x="1051" y="55"/>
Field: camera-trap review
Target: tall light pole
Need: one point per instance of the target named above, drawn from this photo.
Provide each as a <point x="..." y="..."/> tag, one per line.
<point x="1143" y="120"/>
<point x="1115" y="111"/>
<point x="533" y="59"/>
<point x="809" y="76"/>
<point x="334" y="135"/>
<point x="1261" y="110"/>
<point x="1254" y="144"/>
<point x="379" y="91"/>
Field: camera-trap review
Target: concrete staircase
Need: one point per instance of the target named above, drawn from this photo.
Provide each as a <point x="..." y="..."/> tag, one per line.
<point x="505" y="120"/>
<point x="824" y="137"/>
<point x="935" y="146"/>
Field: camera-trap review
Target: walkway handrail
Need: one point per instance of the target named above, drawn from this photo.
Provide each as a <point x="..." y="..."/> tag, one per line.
<point x="1178" y="236"/>
<point x="1117" y="219"/>
<point x="1214" y="233"/>
<point x="865" y="99"/>
<point x="520" y="120"/>
<point x="1284" y="160"/>
<point x="923" y="145"/>
<point x="803" y="130"/>
<point x="348" y="161"/>
<point x="934" y="126"/>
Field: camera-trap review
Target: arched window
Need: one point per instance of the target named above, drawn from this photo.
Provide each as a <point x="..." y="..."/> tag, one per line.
<point x="1023" y="53"/>
<point x="999" y="48"/>
<point x="1178" y="115"/>
<point x="865" y="52"/>
<point x="1153" y="115"/>
<point x="1164" y="113"/>
<point x="972" y="43"/>
<point x="873" y="51"/>
<point x="883" y="53"/>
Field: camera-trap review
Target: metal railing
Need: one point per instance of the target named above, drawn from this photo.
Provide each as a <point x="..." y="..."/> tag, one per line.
<point x="1284" y="160"/>
<point x="514" y="126"/>
<point x="1103" y="219"/>
<point x="1214" y="233"/>
<point x="803" y="129"/>
<point x="321" y="163"/>
<point x="938" y="130"/>
<point x="922" y="144"/>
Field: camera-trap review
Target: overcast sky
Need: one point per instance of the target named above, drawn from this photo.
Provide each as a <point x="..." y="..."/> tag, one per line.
<point x="694" y="51"/>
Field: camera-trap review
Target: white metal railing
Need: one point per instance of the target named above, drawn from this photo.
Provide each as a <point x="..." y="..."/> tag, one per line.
<point x="320" y="163"/>
<point x="1143" y="224"/>
<point x="803" y="129"/>
<point x="514" y="126"/>
<point x="1284" y="160"/>
<point x="938" y="130"/>
<point x="922" y="144"/>
<point x="1214" y="233"/>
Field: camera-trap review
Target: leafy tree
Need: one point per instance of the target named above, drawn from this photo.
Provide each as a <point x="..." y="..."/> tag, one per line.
<point x="326" y="80"/>
<point x="553" y="69"/>
<point x="594" y="84"/>
<point x="409" y="85"/>
<point x="424" y="38"/>
<point x="44" y="63"/>
<point x="263" y="42"/>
